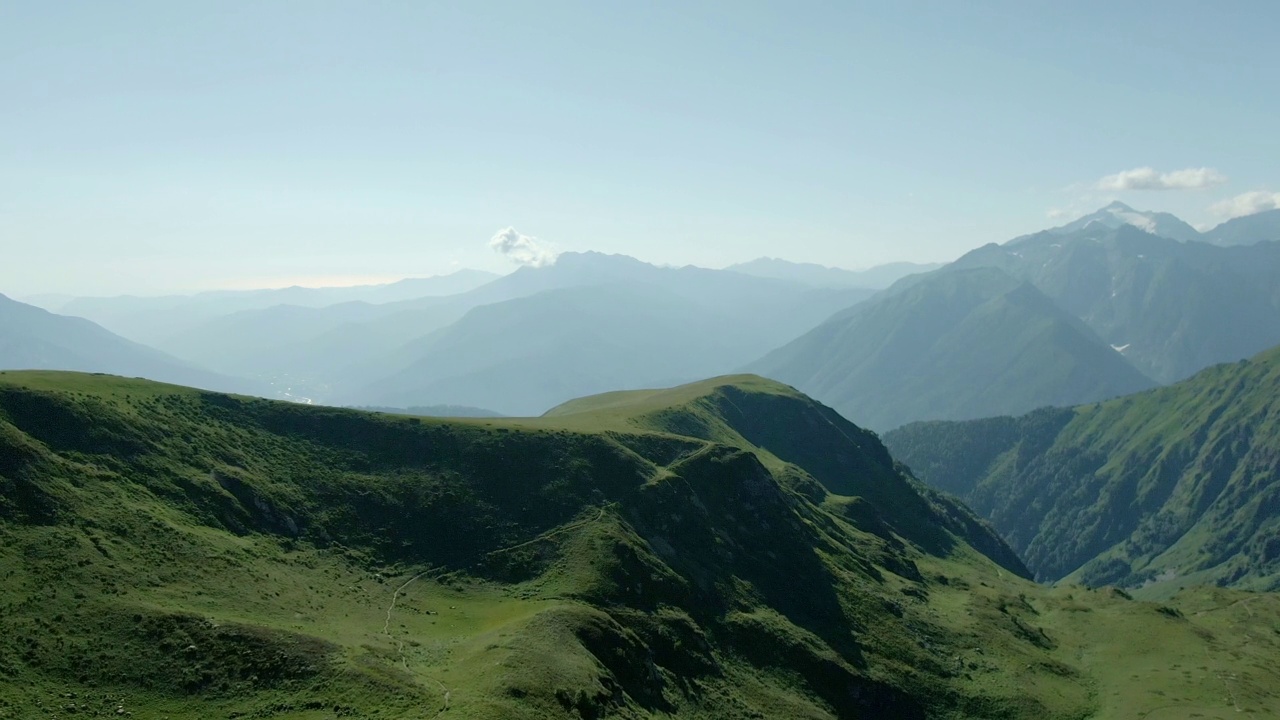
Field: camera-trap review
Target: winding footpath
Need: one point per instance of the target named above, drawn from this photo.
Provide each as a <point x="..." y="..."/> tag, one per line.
<point x="395" y="597"/>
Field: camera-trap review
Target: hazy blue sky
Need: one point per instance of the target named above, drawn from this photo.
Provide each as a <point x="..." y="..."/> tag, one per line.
<point x="166" y="145"/>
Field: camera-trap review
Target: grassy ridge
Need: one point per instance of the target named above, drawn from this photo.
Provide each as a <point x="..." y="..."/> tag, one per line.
<point x="173" y="553"/>
<point x="1166" y="488"/>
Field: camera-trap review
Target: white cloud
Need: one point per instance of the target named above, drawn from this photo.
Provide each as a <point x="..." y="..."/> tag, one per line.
<point x="522" y="249"/>
<point x="1246" y="204"/>
<point x="1145" y="178"/>
<point x="1058" y="214"/>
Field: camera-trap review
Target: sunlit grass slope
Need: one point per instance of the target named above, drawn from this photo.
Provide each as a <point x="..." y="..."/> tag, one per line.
<point x="724" y="550"/>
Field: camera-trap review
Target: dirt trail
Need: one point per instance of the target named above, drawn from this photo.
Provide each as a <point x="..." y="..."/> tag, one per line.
<point x="557" y="531"/>
<point x="395" y="597"/>
<point x="404" y="661"/>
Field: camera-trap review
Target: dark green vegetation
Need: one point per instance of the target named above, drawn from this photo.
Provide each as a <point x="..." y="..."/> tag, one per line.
<point x="35" y="339"/>
<point x="723" y="550"/>
<point x="1163" y="489"/>
<point x="954" y="344"/>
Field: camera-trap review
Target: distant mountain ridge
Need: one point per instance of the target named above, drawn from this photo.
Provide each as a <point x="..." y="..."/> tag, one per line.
<point x="152" y="320"/>
<point x="1259" y="227"/>
<point x="660" y="327"/>
<point x="880" y="276"/>
<point x="1175" y="486"/>
<point x="1167" y="307"/>
<point x="951" y="344"/>
<point x="391" y="354"/>
<point x="35" y="339"/>
<point x="1117" y="214"/>
<point x="1247" y="230"/>
<point x="1173" y="308"/>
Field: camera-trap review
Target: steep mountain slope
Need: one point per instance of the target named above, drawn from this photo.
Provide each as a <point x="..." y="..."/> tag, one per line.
<point x="31" y="338"/>
<point x="1173" y="486"/>
<point x="1171" y="308"/>
<point x="752" y="413"/>
<point x="880" y="276"/>
<point x="1248" y="230"/>
<point x="153" y="320"/>
<point x="172" y="553"/>
<point x="523" y="356"/>
<point x="954" y="344"/>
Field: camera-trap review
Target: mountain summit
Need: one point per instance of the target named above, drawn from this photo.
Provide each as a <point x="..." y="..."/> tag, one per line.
<point x="954" y="344"/>
<point x="1117" y="214"/>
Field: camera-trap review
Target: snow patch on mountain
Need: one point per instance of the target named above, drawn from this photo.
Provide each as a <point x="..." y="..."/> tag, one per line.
<point x="1118" y="214"/>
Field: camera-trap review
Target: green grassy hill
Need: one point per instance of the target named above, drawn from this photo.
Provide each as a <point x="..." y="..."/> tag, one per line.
<point x="729" y="549"/>
<point x="952" y="345"/>
<point x="1165" y="488"/>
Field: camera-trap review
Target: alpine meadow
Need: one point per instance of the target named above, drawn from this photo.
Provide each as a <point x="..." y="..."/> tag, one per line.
<point x="746" y="361"/>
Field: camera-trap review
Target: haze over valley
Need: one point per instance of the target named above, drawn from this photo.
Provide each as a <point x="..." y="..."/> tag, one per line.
<point x="1091" y="310"/>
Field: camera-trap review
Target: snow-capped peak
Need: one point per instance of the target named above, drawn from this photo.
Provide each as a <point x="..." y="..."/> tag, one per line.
<point x="1117" y="214"/>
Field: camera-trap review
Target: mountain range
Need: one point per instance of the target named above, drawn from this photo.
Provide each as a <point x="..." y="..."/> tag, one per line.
<point x="520" y="343"/>
<point x="1090" y="310"/>
<point x="959" y="344"/>
<point x="1246" y="230"/>
<point x="32" y="339"/>
<point x="523" y="356"/>
<point x="1170" y="308"/>
<point x="723" y="549"/>
<point x="1101" y="308"/>
<point x="881" y="276"/>
<point x="152" y="320"/>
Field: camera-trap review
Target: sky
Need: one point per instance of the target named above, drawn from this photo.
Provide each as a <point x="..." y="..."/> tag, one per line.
<point x="150" y="147"/>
